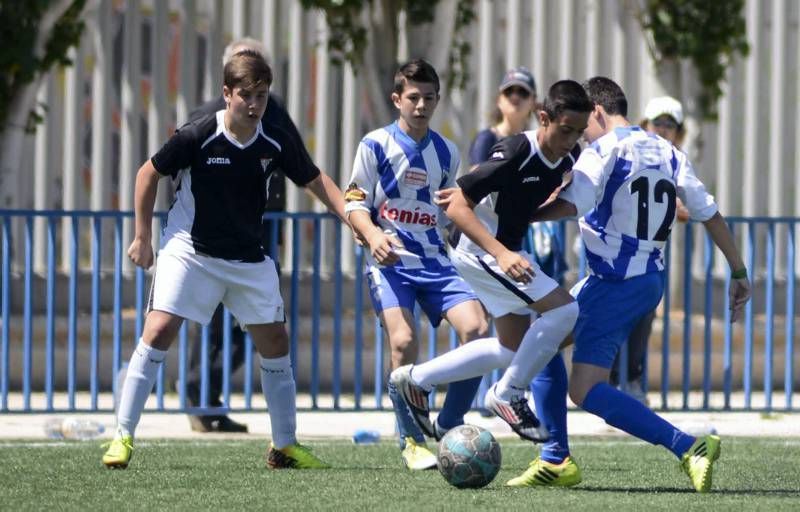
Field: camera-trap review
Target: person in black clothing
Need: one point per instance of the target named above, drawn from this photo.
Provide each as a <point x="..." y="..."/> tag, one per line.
<point x="275" y="115"/>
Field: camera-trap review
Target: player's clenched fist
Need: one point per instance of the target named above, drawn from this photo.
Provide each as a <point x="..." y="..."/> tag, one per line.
<point x="382" y="245"/>
<point x="141" y="253"/>
<point x="515" y="266"/>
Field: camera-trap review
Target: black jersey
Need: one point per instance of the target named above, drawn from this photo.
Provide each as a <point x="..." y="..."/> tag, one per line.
<point x="223" y="185"/>
<point x="276" y="115"/>
<point x="520" y="179"/>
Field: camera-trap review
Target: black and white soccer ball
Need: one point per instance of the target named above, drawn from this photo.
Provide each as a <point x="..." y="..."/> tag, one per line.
<point x="469" y="457"/>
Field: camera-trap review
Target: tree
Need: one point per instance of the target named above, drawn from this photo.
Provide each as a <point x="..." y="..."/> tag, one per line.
<point x="36" y="36"/>
<point x="370" y="34"/>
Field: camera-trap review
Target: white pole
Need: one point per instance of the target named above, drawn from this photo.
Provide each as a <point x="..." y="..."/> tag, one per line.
<point x="513" y="33"/>
<point x="42" y="170"/>
<point x="187" y="90"/>
<point x="101" y="109"/>
<point x="351" y="108"/>
<point x="73" y="143"/>
<point x="130" y="157"/>
<point x="212" y="77"/>
<point x="486" y="76"/>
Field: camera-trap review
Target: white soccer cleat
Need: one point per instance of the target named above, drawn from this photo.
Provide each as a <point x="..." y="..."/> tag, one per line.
<point x="415" y="397"/>
<point x="518" y="415"/>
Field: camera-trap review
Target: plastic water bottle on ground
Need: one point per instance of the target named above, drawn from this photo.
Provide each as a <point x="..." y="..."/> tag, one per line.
<point x="72" y="428"/>
<point x="364" y="436"/>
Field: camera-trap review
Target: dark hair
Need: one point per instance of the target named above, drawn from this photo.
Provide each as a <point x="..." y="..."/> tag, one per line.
<point x="246" y="69"/>
<point x="606" y="93"/>
<point x="566" y="95"/>
<point x="417" y="70"/>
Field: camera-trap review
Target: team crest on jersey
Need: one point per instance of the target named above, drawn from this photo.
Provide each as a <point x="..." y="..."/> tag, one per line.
<point x="415" y="178"/>
<point x="496" y="154"/>
<point x="354" y="193"/>
<point x="265" y="163"/>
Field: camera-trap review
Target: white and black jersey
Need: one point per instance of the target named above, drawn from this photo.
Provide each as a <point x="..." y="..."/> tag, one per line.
<point x="223" y="185"/>
<point x="518" y="178"/>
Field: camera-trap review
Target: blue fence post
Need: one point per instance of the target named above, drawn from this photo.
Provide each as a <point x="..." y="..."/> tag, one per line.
<point x="337" y="317"/>
<point x="770" y="309"/>
<point x="226" y="356"/>
<point x="378" y="364"/>
<point x="788" y="381"/>
<point x="6" y="308"/>
<point x="49" y="379"/>
<point x="315" y="312"/>
<point x="748" y="322"/>
<point x="708" y="254"/>
<point x="117" y="357"/>
<point x="295" y="293"/>
<point x="688" y="249"/>
<point x="358" y="352"/>
<point x="95" y="337"/>
<point x="27" y="337"/>
<point x="72" y="341"/>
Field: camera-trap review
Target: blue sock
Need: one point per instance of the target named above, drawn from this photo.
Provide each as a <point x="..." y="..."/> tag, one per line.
<point x="624" y="412"/>
<point x="549" y="390"/>
<point x="405" y="423"/>
<point x="458" y="402"/>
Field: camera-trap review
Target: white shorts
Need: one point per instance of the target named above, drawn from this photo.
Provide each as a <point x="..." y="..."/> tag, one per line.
<point x="192" y="286"/>
<point x="499" y="293"/>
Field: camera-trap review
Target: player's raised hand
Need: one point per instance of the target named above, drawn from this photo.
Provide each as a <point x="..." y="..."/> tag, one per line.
<point x="443" y="197"/>
<point x="515" y="266"/>
<point x="382" y="247"/>
<point x="141" y="252"/>
<point x="739" y="294"/>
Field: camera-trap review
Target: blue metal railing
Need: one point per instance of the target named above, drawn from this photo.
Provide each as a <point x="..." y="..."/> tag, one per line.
<point x="62" y="348"/>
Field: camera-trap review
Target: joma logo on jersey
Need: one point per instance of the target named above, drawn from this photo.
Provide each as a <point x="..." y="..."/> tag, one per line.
<point x="218" y="160"/>
<point x="530" y="179"/>
<point x="407" y="216"/>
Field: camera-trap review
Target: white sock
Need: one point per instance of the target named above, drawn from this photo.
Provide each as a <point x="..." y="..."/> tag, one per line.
<point x="478" y="357"/>
<point x="538" y="347"/>
<point x="280" y="392"/>
<point x="142" y="372"/>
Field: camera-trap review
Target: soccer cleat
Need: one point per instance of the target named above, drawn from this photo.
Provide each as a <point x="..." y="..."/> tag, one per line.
<point x="543" y="473"/>
<point x="518" y="415"/>
<point x="699" y="460"/>
<point x="415" y="398"/>
<point x="417" y="456"/>
<point x="295" y="456"/>
<point x="119" y="453"/>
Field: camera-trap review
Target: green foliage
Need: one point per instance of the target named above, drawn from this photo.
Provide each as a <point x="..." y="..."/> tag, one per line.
<point x="710" y="34"/>
<point x="19" y="66"/>
<point x="348" y="36"/>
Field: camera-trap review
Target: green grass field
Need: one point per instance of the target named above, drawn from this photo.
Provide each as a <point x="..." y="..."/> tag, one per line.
<point x="619" y="474"/>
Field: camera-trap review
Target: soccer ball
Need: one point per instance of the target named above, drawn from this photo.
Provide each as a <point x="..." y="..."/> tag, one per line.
<point x="469" y="457"/>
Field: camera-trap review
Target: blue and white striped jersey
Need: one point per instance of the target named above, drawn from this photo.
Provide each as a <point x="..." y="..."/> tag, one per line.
<point x="624" y="186"/>
<point x="394" y="179"/>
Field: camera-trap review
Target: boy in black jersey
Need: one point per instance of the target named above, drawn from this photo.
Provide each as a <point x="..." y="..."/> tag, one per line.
<point x="522" y="172"/>
<point x="211" y="249"/>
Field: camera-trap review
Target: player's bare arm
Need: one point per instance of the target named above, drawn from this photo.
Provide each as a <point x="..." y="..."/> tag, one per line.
<point x="141" y="249"/>
<point x="460" y="210"/>
<point x="739" y="290"/>
<point x="323" y="188"/>
<point x="381" y="245"/>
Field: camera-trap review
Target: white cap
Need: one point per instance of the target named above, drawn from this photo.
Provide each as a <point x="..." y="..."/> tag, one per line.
<point x="664" y="105"/>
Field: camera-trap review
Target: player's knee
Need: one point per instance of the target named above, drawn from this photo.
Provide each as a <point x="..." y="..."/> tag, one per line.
<point x="160" y="329"/>
<point x="576" y="394"/>
<point x="473" y="329"/>
<point x="404" y="348"/>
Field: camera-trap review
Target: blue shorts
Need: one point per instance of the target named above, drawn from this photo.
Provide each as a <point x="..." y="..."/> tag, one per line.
<point x="436" y="290"/>
<point x="609" y="309"/>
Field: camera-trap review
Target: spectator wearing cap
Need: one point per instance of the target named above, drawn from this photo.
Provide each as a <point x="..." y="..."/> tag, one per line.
<point x="514" y="107"/>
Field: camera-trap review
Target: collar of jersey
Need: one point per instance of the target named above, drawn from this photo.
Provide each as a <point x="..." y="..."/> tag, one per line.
<point x="222" y="129"/>
<point x="398" y="132"/>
